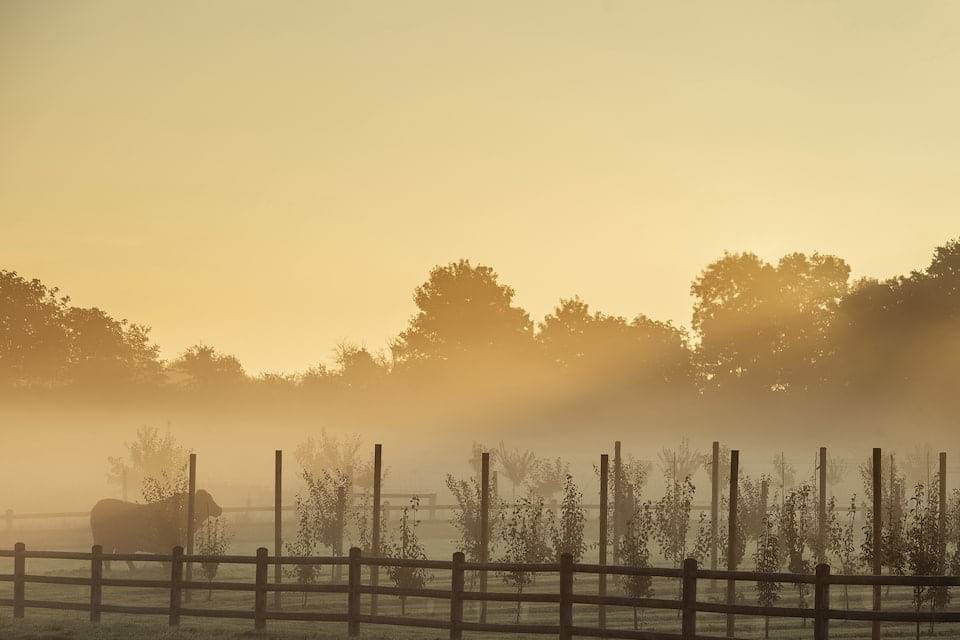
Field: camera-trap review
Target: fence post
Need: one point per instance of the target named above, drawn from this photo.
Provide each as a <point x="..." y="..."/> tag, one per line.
<point x="822" y="507"/>
<point x="566" y="596"/>
<point x="821" y="603"/>
<point x="877" y="539"/>
<point x="96" y="586"/>
<point x="260" y="595"/>
<point x="456" y="597"/>
<point x="604" y="499"/>
<point x="375" y="533"/>
<point x="278" y="524"/>
<point x="732" y="537"/>
<point x="688" y="622"/>
<point x="353" y="595"/>
<point x="19" y="583"/>
<point x="191" y="504"/>
<point x="176" y="594"/>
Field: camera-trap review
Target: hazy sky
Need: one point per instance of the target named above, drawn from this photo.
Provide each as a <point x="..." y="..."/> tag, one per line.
<point x="274" y="177"/>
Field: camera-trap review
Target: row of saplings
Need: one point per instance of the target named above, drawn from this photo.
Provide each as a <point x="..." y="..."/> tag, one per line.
<point x="782" y="536"/>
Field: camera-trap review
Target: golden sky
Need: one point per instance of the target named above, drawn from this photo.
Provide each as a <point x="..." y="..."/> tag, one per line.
<point x="274" y="177"/>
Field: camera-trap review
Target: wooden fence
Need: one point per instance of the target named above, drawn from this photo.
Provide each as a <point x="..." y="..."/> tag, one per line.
<point x="565" y="627"/>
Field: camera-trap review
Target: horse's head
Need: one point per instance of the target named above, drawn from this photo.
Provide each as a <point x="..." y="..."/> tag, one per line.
<point x="204" y="506"/>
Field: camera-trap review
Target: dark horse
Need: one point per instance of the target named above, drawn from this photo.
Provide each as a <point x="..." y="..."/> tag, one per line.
<point x="157" y="527"/>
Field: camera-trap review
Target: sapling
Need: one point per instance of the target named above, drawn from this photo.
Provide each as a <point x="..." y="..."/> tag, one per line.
<point x="567" y="533"/>
<point x="795" y="525"/>
<point x="680" y="463"/>
<point x="548" y="477"/>
<point x="635" y="552"/>
<point x="408" y="547"/>
<point x="844" y="548"/>
<point x="524" y="537"/>
<point x="213" y="540"/>
<point x="768" y="559"/>
<point x="302" y="547"/>
<point x="921" y="550"/>
<point x="517" y="464"/>
<point x="466" y="518"/>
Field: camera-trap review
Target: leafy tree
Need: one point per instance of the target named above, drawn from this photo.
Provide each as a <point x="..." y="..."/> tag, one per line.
<point x="463" y="312"/>
<point x="635" y="552"/>
<point x="767" y="327"/>
<point x="795" y="527"/>
<point x="34" y="343"/>
<point x="671" y="519"/>
<point x="524" y="537"/>
<point x="517" y="464"/>
<point x="922" y="551"/>
<point x="303" y="546"/>
<point x="337" y="455"/>
<point x="843" y="546"/>
<point x="203" y="367"/>
<point x="213" y="540"/>
<point x="567" y="534"/>
<point x="108" y="353"/>
<point x="466" y="517"/>
<point x="408" y="547"/>
<point x="548" y="477"/>
<point x="837" y="469"/>
<point x="680" y="463"/>
<point x="151" y="455"/>
<point x="330" y="501"/>
<point x="784" y="474"/>
<point x="768" y="559"/>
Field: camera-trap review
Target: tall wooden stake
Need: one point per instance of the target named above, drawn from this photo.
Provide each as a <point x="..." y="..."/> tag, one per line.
<point x="877" y="534"/>
<point x="714" y="509"/>
<point x="191" y="500"/>
<point x="617" y="501"/>
<point x="942" y="524"/>
<point x="375" y="534"/>
<point x="732" y="537"/>
<point x="277" y="523"/>
<point x="484" y="526"/>
<point x="604" y="480"/>
<point x="822" y="511"/>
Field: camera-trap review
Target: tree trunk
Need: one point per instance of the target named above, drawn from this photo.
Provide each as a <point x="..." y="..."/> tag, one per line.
<point x="766" y="627"/>
<point x="635" y="618"/>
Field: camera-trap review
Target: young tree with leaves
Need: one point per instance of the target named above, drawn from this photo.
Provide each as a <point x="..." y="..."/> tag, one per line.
<point x="466" y="517"/>
<point x="842" y="544"/>
<point x="408" y="547"/>
<point x="214" y="540"/>
<point x="768" y="559"/>
<point x="567" y="534"/>
<point x="796" y="523"/>
<point x="671" y="520"/>
<point x="680" y="463"/>
<point x="635" y="552"/>
<point x="302" y="546"/>
<point x="517" y="464"/>
<point x="524" y="537"/>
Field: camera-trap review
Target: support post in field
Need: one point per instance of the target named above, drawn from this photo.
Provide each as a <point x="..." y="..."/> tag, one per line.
<point x="19" y="578"/>
<point x="341" y="515"/>
<point x="714" y="508"/>
<point x="260" y="595"/>
<point x="877" y="534"/>
<point x="456" y="597"/>
<point x="484" y="526"/>
<point x="617" y="501"/>
<point x="176" y="591"/>
<point x="277" y="523"/>
<point x="688" y="604"/>
<point x="8" y="518"/>
<point x="732" y="537"/>
<point x="96" y="582"/>
<point x="191" y="504"/>
<point x="821" y="603"/>
<point x="566" y="597"/>
<point x="353" y="593"/>
<point x="432" y="506"/>
<point x="375" y="534"/>
<point x="604" y="480"/>
<point x="822" y="510"/>
<point x="942" y="524"/>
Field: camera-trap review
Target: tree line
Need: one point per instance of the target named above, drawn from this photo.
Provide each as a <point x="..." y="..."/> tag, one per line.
<point x="800" y="327"/>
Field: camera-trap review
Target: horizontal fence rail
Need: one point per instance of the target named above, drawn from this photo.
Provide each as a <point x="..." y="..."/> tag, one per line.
<point x="687" y="604"/>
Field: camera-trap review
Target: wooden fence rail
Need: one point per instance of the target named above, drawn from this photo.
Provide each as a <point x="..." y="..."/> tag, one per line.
<point x="565" y="628"/>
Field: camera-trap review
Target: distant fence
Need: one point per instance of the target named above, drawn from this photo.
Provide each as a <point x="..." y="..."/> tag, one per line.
<point x="431" y="507"/>
<point x="565" y="628"/>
